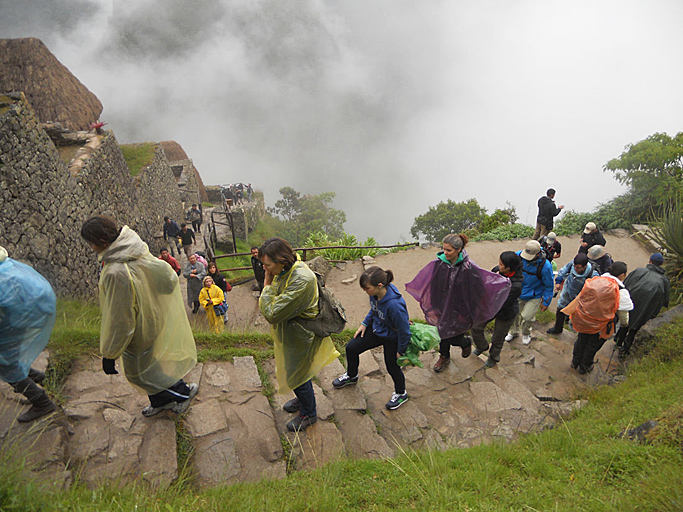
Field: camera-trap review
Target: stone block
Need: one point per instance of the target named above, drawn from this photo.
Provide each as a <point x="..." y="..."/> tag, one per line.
<point x="206" y="418"/>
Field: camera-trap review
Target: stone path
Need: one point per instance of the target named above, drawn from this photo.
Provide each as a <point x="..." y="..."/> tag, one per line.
<point x="238" y="435"/>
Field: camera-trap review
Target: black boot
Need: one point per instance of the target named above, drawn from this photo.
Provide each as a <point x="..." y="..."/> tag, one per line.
<point x="41" y="403"/>
<point x="36" y="376"/>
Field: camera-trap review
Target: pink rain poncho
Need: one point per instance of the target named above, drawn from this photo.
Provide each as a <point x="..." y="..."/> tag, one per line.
<point x="456" y="297"/>
<point x="27" y="315"/>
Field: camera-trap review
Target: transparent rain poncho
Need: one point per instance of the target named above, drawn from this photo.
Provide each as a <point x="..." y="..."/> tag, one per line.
<point x="27" y="315"/>
<point x="299" y="354"/>
<point x="456" y="297"/>
<point x="143" y="316"/>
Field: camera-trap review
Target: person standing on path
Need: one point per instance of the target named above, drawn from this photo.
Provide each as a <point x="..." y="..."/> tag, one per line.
<point x="171" y="232"/>
<point x="509" y="266"/>
<point x="546" y="212"/>
<point x="649" y="289"/>
<point x="386" y="325"/>
<point x="187" y="239"/>
<point x="291" y="291"/>
<point x="165" y="256"/>
<point x="257" y="266"/>
<point x="568" y="282"/>
<point x="219" y="280"/>
<point x="194" y="215"/>
<point x="455" y="294"/>
<point x="143" y="318"/>
<point x="591" y="236"/>
<point x="195" y="273"/>
<point x="211" y="295"/>
<point x="27" y="315"/>
<point x="537" y="290"/>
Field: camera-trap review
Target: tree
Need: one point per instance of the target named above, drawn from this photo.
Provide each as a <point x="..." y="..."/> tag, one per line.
<point x="303" y="215"/>
<point x="653" y="171"/>
<point x="448" y="217"/>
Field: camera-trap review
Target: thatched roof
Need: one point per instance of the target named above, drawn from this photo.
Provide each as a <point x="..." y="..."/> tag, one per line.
<point x="54" y="93"/>
<point x="174" y="151"/>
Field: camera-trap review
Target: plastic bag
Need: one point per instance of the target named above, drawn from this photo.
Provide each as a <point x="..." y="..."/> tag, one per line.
<point x="423" y="337"/>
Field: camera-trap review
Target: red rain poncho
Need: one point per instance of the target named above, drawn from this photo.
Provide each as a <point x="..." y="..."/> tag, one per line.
<point x="455" y="297"/>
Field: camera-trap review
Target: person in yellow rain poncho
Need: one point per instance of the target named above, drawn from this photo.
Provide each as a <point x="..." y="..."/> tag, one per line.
<point x="291" y="291"/>
<point x="143" y="317"/>
<point x="210" y="296"/>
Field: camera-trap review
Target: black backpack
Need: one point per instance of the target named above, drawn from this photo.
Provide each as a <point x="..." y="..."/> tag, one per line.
<point x="331" y="314"/>
<point x="540" y="263"/>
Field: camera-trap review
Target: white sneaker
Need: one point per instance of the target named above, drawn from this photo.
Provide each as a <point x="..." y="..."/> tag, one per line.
<point x="509" y="337"/>
<point x="526" y="339"/>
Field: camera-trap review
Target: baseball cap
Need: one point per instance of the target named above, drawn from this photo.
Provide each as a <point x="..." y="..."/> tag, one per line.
<point x="589" y="227"/>
<point x="531" y="249"/>
<point x="657" y="258"/>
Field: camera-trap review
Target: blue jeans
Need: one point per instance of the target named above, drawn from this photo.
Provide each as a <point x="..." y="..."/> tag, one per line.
<point x="306" y="396"/>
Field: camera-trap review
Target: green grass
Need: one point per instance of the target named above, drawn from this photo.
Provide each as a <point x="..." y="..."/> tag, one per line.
<point x="138" y="156"/>
<point x="584" y="463"/>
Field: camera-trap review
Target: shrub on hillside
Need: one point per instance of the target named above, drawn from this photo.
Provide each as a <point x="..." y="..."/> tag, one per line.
<point x="506" y="232"/>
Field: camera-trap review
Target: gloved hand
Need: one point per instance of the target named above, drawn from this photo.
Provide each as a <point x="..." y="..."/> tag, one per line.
<point x="108" y="365"/>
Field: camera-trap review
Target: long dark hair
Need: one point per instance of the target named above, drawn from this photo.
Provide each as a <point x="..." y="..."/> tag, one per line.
<point x="278" y="250"/>
<point x="511" y="260"/>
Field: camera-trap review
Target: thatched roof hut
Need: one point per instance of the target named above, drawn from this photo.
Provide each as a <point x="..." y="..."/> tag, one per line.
<point x="54" y="93"/>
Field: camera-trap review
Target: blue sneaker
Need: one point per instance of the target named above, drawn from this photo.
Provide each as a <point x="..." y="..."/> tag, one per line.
<point x="344" y="380"/>
<point x="397" y="401"/>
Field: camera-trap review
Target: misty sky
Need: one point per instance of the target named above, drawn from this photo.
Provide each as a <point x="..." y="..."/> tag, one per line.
<point x="395" y="105"/>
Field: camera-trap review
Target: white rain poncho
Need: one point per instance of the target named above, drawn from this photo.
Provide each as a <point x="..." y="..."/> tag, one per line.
<point x="27" y="315"/>
<point x="299" y="354"/>
<point x="143" y="315"/>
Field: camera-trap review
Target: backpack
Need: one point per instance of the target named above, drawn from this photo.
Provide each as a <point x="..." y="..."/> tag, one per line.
<point x="594" y="309"/>
<point x="540" y="263"/>
<point x="331" y="314"/>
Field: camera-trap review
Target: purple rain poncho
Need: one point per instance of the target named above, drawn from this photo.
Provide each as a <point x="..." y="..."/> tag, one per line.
<point x="454" y="297"/>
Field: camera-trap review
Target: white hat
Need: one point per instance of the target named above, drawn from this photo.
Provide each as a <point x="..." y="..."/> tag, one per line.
<point x="531" y="249"/>
<point x="589" y="227"/>
<point x="551" y="236"/>
<point x="3" y="254"/>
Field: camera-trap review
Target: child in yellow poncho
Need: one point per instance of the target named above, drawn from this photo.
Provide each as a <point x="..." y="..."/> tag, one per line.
<point x="210" y="296"/>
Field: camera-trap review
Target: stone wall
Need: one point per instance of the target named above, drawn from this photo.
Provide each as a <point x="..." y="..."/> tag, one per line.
<point x="43" y="203"/>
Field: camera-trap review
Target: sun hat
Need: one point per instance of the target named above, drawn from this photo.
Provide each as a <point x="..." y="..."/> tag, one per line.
<point x="595" y="252"/>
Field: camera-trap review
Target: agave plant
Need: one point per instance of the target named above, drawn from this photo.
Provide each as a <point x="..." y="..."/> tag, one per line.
<point x="668" y="233"/>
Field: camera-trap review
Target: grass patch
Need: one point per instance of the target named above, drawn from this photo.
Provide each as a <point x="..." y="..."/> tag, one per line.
<point x="584" y="463"/>
<point x="138" y="156"/>
<point x="545" y="317"/>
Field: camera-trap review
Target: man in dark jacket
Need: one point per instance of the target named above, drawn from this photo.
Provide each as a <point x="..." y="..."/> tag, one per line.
<point x="546" y="211"/>
<point x="510" y="266"/>
<point x="188" y="239"/>
<point x="649" y="289"/>
<point x="257" y="266"/>
<point x="171" y="230"/>
<point x="591" y="236"/>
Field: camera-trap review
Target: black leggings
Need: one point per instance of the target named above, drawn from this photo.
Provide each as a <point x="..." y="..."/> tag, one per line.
<point x="358" y="345"/>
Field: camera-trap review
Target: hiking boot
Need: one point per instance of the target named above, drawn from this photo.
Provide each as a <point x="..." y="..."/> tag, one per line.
<point x="510" y="336"/>
<point x="490" y="363"/>
<point x="181" y="407"/>
<point x="623" y="353"/>
<point x="301" y="422"/>
<point x="397" y="401"/>
<point x="583" y="369"/>
<point x="292" y="405"/>
<point x="40" y="402"/>
<point x="441" y="364"/>
<point x="552" y="330"/>
<point x="344" y="380"/>
<point x="477" y="352"/>
<point x="526" y="339"/>
<point x="466" y="351"/>
<point x="574" y="365"/>
<point x="36" y="376"/>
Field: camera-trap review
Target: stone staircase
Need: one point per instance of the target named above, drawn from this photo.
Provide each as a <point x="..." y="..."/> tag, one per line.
<point x="238" y="435"/>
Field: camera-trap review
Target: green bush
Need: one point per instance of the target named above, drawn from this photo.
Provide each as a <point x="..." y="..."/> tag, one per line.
<point x="506" y="232"/>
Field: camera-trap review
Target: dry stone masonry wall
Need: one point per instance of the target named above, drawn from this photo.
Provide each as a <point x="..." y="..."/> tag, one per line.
<point x="43" y="205"/>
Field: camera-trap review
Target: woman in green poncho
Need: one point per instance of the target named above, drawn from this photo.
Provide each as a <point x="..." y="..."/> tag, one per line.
<point x="291" y="291"/>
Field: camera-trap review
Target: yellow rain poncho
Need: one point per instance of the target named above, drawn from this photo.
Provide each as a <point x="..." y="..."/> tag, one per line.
<point x="208" y="297"/>
<point x="143" y="315"/>
<point x="299" y="354"/>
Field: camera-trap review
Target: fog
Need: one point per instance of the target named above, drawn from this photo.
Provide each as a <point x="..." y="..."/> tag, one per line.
<point x="394" y="105"/>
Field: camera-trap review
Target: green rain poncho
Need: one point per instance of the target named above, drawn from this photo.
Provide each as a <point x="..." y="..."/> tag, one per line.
<point x="299" y="354"/>
<point x="143" y="315"/>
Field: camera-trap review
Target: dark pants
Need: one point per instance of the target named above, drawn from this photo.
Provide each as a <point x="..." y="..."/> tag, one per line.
<point x="625" y="336"/>
<point x="178" y="392"/>
<point x="500" y="330"/>
<point x="560" y="320"/>
<point x="306" y="397"/>
<point x="358" y="345"/>
<point x="196" y="226"/>
<point x="585" y="348"/>
<point x="456" y="341"/>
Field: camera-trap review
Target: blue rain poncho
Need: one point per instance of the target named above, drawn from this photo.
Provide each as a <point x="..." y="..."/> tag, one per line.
<point x="143" y="316"/>
<point x="27" y="315"/>
<point x="299" y="354"/>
